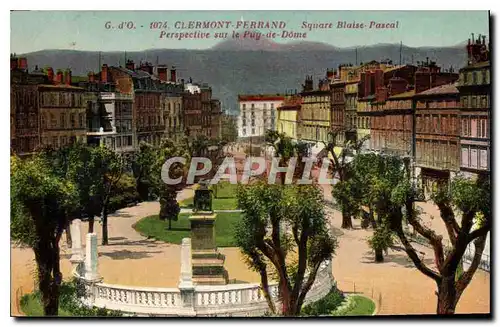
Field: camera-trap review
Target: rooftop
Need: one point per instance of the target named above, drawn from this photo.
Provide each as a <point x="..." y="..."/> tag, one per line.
<point x="403" y="95"/>
<point x="261" y="97"/>
<point x="443" y="89"/>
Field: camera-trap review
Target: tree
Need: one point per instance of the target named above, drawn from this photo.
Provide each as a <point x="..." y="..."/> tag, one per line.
<point x="341" y="167"/>
<point x="277" y="220"/>
<point x="464" y="198"/>
<point x="142" y="167"/>
<point x="372" y="179"/>
<point x="39" y="204"/>
<point x="284" y="148"/>
<point x="169" y="207"/>
<point x="109" y="168"/>
<point x="74" y="162"/>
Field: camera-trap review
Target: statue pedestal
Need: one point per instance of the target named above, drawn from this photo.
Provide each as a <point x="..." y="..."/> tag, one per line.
<point x="207" y="262"/>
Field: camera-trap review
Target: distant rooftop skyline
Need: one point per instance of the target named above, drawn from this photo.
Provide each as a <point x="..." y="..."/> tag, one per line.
<point x="85" y="30"/>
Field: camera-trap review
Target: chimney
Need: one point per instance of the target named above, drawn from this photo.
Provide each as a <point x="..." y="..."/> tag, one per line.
<point x="361" y="85"/>
<point x="104" y="73"/>
<point x="59" y="77"/>
<point x="397" y="85"/>
<point x="50" y="74"/>
<point x="379" y="78"/>
<point x="91" y="77"/>
<point x="147" y="67"/>
<point x="173" y="75"/>
<point x="130" y="65"/>
<point x="23" y="63"/>
<point x="330" y="74"/>
<point x="13" y="62"/>
<point x="162" y="72"/>
<point x="381" y="95"/>
<point x="67" y="77"/>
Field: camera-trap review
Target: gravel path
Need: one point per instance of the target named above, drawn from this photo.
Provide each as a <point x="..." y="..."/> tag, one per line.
<point x="132" y="259"/>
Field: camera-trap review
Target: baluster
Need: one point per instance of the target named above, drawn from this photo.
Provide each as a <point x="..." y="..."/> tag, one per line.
<point x="226" y="297"/>
<point x="162" y="299"/>
<point x="157" y="299"/>
<point x="233" y="297"/>
<point x="205" y="298"/>
<point x="219" y="297"/>
<point x="150" y="298"/>
<point x="212" y="298"/>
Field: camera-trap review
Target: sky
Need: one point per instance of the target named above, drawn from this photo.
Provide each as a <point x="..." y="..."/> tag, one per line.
<point x="86" y="30"/>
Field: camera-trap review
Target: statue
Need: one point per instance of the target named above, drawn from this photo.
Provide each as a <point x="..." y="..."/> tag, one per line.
<point x="203" y="198"/>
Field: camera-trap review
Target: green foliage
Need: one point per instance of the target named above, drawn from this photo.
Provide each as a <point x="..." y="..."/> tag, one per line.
<point x="326" y="305"/>
<point x="153" y="227"/>
<point x="169" y="208"/>
<point x="70" y="305"/>
<point x="125" y="193"/>
<point x="279" y="219"/>
<point x="38" y="198"/>
<point x="361" y="306"/>
<point x="382" y="238"/>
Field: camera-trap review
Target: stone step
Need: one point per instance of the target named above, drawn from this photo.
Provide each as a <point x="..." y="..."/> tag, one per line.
<point x="209" y="280"/>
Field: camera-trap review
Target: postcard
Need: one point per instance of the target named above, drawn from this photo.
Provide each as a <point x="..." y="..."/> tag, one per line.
<point x="250" y="164"/>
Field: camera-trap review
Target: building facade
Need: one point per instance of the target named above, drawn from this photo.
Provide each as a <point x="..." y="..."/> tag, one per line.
<point x="63" y="115"/>
<point x="192" y="105"/>
<point x="475" y="101"/>
<point x="258" y="113"/>
<point x="437" y="136"/>
<point x="289" y="116"/>
<point x="24" y="107"/>
<point x="315" y="112"/>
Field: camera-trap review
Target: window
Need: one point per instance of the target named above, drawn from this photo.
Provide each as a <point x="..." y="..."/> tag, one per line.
<point x="483" y="159"/>
<point x="53" y="121"/>
<point x="474" y="102"/>
<point x="73" y="120"/>
<point x="473" y="158"/>
<point x="474" y="77"/>
<point x="253" y="131"/>
<point x="253" y="106"/>
<point x="244" y="132"/>
<point x="243" y="106"/>
<point x="82" y="120"/>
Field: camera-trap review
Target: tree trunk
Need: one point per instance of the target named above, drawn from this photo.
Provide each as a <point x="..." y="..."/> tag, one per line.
<point x="346" y="220"/>
<point x="446" y="301"/>
<point x="379" y="255"/>
<point x="265" y="290"/>
<point x="69" y="241"/>
<point x="105" y="224"/>
<point x="170" y="224"/>
<point x="49" y="275"/>
<point x="91" y="224"/>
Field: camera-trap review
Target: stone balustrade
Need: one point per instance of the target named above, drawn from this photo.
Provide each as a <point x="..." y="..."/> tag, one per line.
<point x="187" y="299"/>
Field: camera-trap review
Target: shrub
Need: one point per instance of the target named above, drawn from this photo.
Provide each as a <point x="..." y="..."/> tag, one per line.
<point x="326" y="305"/>
<point x="125" y="193"/>
<point x="69" y="304"/>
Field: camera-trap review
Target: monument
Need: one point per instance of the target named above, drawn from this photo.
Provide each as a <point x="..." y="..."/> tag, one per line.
<point x="207" y="262"/>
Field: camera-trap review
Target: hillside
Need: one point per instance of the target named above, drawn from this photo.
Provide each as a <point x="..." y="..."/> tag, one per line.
<point x="236" y="70"/>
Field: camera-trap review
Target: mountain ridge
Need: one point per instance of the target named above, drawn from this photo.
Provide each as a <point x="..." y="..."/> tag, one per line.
<point x="233" y="72"/>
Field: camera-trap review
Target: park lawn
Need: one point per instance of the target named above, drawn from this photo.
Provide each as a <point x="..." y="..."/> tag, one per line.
<point x="31" y="305"/>
<point x="224" y="190"/>
<point x="364" y="307"/>
<point x="153" y="227"/>
<point x="217" y="204"/>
